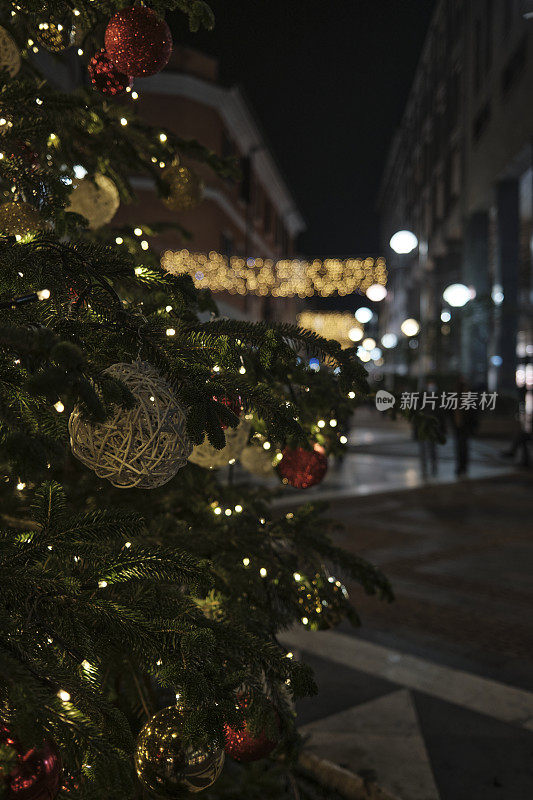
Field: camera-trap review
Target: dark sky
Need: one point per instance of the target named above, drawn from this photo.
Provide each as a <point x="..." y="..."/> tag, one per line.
<point x="328" y="82"/>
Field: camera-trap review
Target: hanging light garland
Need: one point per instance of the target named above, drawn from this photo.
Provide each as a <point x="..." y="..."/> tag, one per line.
<point x="284" y="278"/>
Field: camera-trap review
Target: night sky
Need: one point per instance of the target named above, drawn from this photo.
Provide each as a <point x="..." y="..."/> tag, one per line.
<point x="328" y="82"/>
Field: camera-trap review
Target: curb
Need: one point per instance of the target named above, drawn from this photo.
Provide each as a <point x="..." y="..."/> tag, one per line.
<point x="346" y="783"/>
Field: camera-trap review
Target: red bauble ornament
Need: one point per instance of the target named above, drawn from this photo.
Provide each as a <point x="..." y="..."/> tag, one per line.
<point x="105" y="76"/>
<point x="234" y="404"/>
<point x="302" y="468"/>
<point x="138" y="42"/>
<point x="35" y="774"/>
<point x="242" y="745"/>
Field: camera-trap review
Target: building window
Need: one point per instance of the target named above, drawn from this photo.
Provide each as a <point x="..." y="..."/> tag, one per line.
<point x="489" y="22"/>
<point x="268" y="216"/>
<point x="508" y="8"/>
<point x="228" y="146"/>
<point x="226" y="244"/>
<point x="278" y="238"/>
<point x="514" y="68"/>
<point x="477" y="55"/>
<point x="480" y="122"/>
<point x="455" y="173"/>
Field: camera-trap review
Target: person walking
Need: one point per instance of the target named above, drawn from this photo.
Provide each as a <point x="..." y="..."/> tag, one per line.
<point x="463" y="422"/>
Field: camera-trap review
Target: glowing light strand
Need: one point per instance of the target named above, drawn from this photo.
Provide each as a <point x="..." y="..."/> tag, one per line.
<point x="283" y="278"/>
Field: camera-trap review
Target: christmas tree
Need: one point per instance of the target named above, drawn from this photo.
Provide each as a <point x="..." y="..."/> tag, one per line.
<point x="143" y="584"/>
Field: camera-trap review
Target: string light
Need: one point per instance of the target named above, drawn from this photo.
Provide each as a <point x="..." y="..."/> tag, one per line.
<point x="123" y="121"/>
<point x="263" y="572"/>
<point x="343" y="439"/>
<point x="138" y="231"/>
<point x="102" y="584"/>
<point x="283" y="278"/>
<point x="162" y="137"/>
<point x="336" y="325"/>
<point x="238" y="509"/>
<point x="246" y="561"/>
<point x="63" y="695"/>
<point x="321" y="423"/>
<point x="59" y="407"/>
<point x="170" y="332"/>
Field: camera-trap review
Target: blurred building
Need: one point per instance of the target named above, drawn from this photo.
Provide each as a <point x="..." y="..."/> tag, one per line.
<point x="254" y="217"/>
<point x="460" y="176"/>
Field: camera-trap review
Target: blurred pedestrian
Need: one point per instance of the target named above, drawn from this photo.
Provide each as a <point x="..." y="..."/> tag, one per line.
<point x="428" y="447"/>
<point x="464" y="421"/>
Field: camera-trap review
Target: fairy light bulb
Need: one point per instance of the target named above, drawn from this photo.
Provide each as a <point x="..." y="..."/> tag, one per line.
<point x="263" y="572"/>
<point x="63" y="695"/>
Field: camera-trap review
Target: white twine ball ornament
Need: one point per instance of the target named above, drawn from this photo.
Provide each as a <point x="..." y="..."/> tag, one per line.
<point x="258" y="461"/>
<point x="9" y="53"/>
<point x="205" y="455"/>
<point x="142" y="447"/>
<point x="97" y="203"/>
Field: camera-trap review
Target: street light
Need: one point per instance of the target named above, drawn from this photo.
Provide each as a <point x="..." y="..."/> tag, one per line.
<point x="389" y="340"/>
<point x="376" y="292"/>
<point x="355" y="334"/>
<point x="368" y="343"/>
<point x="410" y="327"/>
<point x="403" y="242"/>
<point x="363" y="315"/>
<point x="458" y="295"/>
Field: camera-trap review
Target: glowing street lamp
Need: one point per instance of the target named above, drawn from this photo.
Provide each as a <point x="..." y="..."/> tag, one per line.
<point x="389" y="340"/>
<point x="403" y="242"/>
<point x="458" y="295"/>
<point x="410" y="327"/>
<point x="376" y="292"/>
<point x="363" y="315"/>
<point x="355" y="334"/>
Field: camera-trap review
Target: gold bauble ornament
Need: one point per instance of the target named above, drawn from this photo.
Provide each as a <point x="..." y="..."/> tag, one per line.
<point x="138" y="448"/>
<point x="19" y="219"/>
<point x="97" y="203"/>
<point x="186" y="188"/>
<point x="9" y="53"/>
<point x="257" y="460"/>
<point x="205" y="455"/>
<point x="55" y="36"/>
<point x="169" y="768"/>
<point x="324" y="601"/>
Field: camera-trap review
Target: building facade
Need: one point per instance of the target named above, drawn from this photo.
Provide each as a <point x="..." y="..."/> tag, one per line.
<point x="460" y="176"/>
<point x="256" y="216"/>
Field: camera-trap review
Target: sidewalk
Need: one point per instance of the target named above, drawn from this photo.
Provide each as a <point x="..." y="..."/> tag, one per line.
<point x="382" y="456"/>
<point x="434" y="692"/>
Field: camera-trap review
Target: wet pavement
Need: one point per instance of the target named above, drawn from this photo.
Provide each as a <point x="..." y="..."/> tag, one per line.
<point x="435" y="692"/>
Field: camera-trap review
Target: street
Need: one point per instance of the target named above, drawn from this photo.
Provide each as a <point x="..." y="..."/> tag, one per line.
<point x="434" y="693"/>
